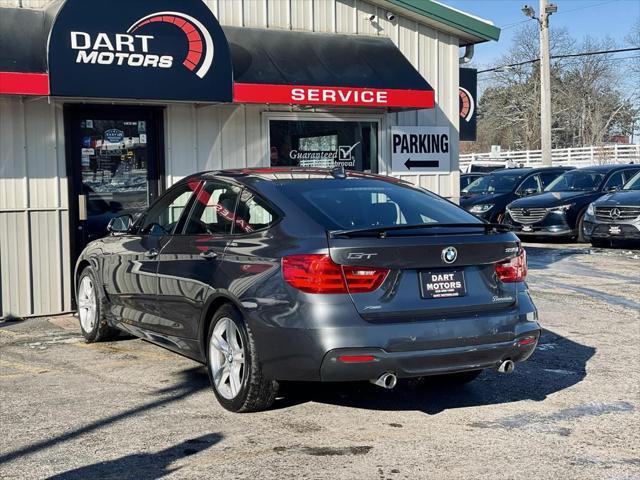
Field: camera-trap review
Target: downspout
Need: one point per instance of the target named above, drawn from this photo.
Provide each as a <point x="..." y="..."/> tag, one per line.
<point x="468" y="54"/>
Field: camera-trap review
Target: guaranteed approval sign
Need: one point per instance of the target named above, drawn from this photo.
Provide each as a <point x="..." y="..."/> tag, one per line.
<point x="420" y="149"/>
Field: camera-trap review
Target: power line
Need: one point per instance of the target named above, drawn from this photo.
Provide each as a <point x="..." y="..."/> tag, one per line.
<point x="567" y="55"/>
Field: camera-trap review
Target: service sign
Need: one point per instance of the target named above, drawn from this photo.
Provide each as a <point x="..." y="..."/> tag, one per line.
<point x="420" y="149"/>
<point x="161" y="49"/>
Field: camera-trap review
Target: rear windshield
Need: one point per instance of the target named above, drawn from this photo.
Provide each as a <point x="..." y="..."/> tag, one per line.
<point x="362" y="203"/>
<point x="577" y="180"/>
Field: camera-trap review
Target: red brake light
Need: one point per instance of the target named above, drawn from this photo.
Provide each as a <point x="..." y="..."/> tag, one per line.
<point x="356" y="358"/>
<point x="317" y="273"/>
<point x="514" y="270"/>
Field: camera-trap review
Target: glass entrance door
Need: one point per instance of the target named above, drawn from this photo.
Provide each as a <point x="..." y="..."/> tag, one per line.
<point x="114" y="165"/>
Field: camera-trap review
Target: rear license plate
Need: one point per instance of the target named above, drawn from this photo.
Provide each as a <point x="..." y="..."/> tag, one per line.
<point x="442" y="284"/>
<point x="615" y="230"/>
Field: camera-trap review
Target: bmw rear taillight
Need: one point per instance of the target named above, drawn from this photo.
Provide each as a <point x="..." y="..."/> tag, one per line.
<point x="317" y="273"/>
<point x="514" y="270"/>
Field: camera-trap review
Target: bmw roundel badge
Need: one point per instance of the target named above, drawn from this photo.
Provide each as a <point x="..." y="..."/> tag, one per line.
<point x="449" y="255"/>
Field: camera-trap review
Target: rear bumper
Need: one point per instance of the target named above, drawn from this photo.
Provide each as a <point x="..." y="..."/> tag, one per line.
<point x="422" y="363"/>
<point x="310" y="350"/>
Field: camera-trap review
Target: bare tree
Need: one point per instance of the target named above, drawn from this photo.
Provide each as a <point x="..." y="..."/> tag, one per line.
<point x="588" y="100"/>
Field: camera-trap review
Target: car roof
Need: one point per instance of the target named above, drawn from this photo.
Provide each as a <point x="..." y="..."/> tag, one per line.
<point x="247" y="175"/>
<point x="610" y="167"/>
<point x="523" y="170"/>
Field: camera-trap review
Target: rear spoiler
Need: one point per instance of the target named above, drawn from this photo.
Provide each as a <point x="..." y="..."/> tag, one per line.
<point x="382" y="231"/>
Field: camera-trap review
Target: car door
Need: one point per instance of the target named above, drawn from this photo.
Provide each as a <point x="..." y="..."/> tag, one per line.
<point x="188" y="264"/>
<point x="251" y="253"/>
<point x="131" y="259"/>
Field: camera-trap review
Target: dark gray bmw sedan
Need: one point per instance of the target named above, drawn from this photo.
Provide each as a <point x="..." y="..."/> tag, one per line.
<point x="268" y="275"/>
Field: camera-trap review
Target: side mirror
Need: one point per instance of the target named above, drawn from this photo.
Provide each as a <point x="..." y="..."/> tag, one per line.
<point x="529" y="191"/>
<point x="121" y="224"/>
<point x="613" y="188"/>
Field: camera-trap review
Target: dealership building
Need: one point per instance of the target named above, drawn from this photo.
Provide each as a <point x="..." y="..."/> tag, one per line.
<point x="106" y="103"/>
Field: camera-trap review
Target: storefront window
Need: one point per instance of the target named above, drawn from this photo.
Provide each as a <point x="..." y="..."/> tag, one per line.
<point x="324" y="144"/>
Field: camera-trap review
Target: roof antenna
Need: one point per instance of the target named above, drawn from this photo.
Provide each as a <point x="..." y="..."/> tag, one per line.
<point x="338" y="172"/>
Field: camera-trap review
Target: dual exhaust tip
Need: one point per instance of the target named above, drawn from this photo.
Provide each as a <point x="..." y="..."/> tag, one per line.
<point x="390" y="380"/>
<point x="386" y="380"/>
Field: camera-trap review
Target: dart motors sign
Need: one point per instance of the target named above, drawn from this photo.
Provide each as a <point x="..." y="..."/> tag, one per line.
<point x="468" y="108"/>
<point x="420" y="149"/>
<point x="159" y="49"/>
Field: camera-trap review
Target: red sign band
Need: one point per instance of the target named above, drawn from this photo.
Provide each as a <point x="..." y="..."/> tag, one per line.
<point x="339" y="96"/>
<point x="15" y="83"/>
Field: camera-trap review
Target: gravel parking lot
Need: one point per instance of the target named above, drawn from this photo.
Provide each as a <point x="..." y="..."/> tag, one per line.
<point x="128" y="409"/>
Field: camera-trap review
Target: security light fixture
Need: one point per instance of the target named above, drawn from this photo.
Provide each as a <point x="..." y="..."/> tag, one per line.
<point x="371" y="18"/>
<point x="529" y="11"/>
<point x="390" y="16"/>
<point x="551" y="8"/>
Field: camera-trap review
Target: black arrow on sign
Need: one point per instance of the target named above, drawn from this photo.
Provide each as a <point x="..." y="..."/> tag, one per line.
<point x="421" y="163"/>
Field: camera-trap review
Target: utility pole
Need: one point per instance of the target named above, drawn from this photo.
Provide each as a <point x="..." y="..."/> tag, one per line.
<point x="545" y="85"/>
<point x="545" y="75"/>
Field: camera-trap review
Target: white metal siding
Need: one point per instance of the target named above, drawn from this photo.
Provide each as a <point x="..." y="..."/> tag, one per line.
<point x="35" y="265"/>
<point x="34" y="228"/>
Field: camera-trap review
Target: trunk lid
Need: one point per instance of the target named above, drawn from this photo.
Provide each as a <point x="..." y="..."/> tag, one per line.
<point x="419" y="283"/>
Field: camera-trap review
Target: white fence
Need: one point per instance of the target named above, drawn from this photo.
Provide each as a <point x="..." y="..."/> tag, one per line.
<point x="577" y="157"/>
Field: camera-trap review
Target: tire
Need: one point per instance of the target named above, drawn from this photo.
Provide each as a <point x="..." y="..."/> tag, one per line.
<point x="580" y="238"/>
<point x="91" y="309"/>
<point x="233" y="365"/>
<point x="600" y="243"/>
<point x="460" y="378"/>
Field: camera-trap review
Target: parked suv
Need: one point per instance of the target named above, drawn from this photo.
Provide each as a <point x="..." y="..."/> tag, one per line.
<point x="307" y="274"/>
<point x="560" y="210"/>
<point x="488" y="197"/>
<point x="615" y="216"/>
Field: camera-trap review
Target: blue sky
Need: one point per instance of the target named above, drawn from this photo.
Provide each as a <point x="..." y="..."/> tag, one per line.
<point x="597" y="18"/>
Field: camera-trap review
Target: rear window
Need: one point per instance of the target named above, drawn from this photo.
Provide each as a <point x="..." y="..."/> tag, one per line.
<point x="363" y="203"/>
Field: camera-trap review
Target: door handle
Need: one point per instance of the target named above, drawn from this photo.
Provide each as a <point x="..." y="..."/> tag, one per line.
<point x="151" y="253"/>
<point x="209" y="255"/>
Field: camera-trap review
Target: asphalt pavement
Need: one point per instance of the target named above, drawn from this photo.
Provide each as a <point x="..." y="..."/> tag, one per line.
<point x="128" y="409"/>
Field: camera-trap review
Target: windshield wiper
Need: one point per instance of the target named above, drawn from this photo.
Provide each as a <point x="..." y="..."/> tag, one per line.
<point x="382" y="231"/>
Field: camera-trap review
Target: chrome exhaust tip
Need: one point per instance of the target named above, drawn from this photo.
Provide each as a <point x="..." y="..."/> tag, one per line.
<point x="386" y="380"/>
<point x="507" y="366"/>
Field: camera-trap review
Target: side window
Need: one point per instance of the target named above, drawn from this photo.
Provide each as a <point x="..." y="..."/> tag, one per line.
<point x="615" y="180"/>
<point x="629" y="174"/>
<point x="547" y="177"/>
<point x="213" y="210"/>
<point x="252" y="214"/>
<point x="529" y="183"/>
<point x="163" y="217"/>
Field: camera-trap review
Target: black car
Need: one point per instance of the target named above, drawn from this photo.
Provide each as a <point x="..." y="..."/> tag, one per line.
<point x="488" y="197"/>
<point x="560" y="210"/>
<point x="614" y="216"/>
<point x="467" y="178"/>
<point x="308" y="274"/>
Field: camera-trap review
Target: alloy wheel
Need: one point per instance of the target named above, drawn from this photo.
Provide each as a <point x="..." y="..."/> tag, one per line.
<point x="87" y="306"/>
<point x="226" y="358"/>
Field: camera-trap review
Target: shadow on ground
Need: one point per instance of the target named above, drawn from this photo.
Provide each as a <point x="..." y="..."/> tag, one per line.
<point x="190" y="381"/>
<point x="557" y="364"/>
<point x="142" y="466"/>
